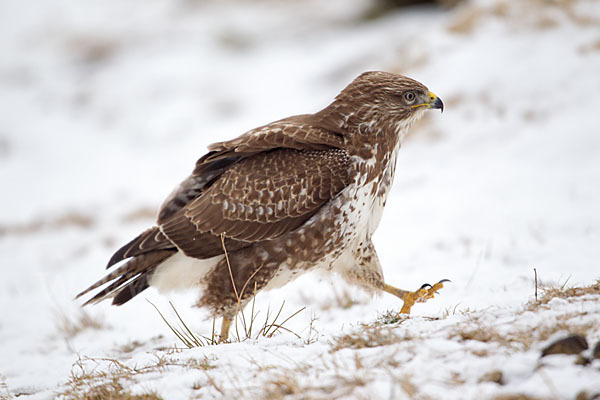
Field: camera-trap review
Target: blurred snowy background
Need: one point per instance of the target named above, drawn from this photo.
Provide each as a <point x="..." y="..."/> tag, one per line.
<point x="106" y="105"/>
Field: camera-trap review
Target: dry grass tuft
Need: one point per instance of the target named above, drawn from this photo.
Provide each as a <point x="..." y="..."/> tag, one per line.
<point x="273" y="323"/>
<point x="285" y="384"/>
<point x="139" y="214"/>
<point x="516" y="396"/>
<point x="408" y="387"/>
<point x="466" y="21"/>
<point x="91" y="49"/>
<point x="130" y="347"/>
<point x="113" y="390"/>
<point x="525" y="14"/>
<point x="486" y="334"/>
<point x="551" y="292"/>
<point x="592" y="47"/>
<point x="390" y="317"/>
<point x="184" y="333"/>
<point x="522" y="339"/>
<point x="281" y="386"/>
<point x="380" y="332"/>
<point x="369" y="336"/>
<point x="64" y="221"/>
<point x="70" y="327"/>
<point x="106" y="377"/>
<point x="4" y="392"/>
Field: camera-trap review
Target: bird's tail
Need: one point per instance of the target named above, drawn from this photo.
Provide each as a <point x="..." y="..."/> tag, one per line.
<point x="129" y="279"/>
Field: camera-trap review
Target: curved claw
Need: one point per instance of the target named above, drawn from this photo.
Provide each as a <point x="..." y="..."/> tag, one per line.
<point x="421" y="295"/>
<point x="433" y="289"/>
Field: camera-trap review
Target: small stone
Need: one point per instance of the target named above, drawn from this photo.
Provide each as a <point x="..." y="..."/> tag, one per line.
<point x="494" y="376"/>
<point x="573" y="344"/>
<point x="583" y="395"/>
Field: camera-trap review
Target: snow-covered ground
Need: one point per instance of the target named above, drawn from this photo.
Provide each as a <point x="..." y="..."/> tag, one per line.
<point x="105" y="106"/>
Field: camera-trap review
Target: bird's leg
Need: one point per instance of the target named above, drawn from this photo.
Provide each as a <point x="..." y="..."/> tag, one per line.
<point x="421" y="295"/>
<point x="367" y="273"/>
<point x="225" y="325"/>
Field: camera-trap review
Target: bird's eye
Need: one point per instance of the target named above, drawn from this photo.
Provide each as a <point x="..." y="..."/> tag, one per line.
<point x="410" y="97"/>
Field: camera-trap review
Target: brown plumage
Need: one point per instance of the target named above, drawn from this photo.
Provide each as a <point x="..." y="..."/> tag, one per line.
<point x="297" y="194"/>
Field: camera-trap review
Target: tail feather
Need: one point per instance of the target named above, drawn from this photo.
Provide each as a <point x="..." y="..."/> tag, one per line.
<point x="111" y="289"/>
<point x="127" y="277"/>
<point x="132" y="289"/>
<point x="148" y="241"/>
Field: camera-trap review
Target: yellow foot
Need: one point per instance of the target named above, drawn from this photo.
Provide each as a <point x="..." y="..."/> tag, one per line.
<point x="421" y="295"/>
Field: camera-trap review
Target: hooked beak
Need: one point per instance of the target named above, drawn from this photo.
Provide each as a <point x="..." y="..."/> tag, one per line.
<point x="434" y="102"/>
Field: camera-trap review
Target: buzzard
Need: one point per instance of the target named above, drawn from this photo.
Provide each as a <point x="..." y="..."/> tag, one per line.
<point x="299" y="194"/>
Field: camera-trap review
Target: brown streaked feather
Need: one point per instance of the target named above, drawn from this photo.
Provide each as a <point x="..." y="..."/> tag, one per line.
<point x="140" y="265"/>
<point x="298" y="132"/>
<point x="260" y="198"/>
<point x="191" y="187"/>
<point x="291" y="133"/>
<point x="199" y="244"/>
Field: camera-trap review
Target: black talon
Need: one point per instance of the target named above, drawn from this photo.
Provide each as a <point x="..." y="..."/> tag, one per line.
<point x="425" y="285"/>
<point x="445" y="280"/>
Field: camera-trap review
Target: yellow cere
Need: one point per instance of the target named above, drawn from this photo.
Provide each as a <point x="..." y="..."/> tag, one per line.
<point x="432" y="98"/>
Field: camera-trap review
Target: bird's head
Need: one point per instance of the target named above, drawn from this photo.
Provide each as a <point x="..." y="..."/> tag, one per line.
<point x="381" y="99"/>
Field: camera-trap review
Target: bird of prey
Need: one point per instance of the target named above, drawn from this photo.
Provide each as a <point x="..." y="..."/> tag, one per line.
<point x="299" y="194"/>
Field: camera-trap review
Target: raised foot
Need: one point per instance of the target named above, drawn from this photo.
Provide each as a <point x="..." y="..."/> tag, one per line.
<point x="421" y="295"/>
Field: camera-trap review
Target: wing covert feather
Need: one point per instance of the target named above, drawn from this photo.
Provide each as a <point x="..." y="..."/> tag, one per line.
<point x="300" y="132"/>
<point x="261" y="197"/>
